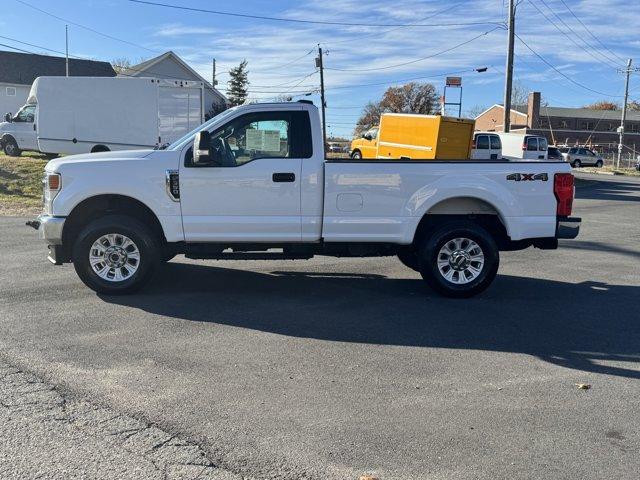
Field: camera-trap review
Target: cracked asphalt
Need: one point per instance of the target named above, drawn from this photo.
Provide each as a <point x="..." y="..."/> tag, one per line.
<point x="50" y="435"/>
<point x="330" y="368"/>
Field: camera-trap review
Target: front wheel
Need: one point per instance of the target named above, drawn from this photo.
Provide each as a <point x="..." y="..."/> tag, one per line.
<point x="599" y="164"/>
<point x="577" y="164"/>
<point x="11" y="148"/>
<point x="459" y="260"/>
<point x="115" y="255"/>
<point x="356" y="155"/>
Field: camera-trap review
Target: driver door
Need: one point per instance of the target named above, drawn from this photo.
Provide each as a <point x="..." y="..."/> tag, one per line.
<point x="249" y="188"/>
<point x="25" y="128"/>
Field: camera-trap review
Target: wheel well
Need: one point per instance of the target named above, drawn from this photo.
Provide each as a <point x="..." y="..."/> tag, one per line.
<point x="100" y="148"/>
<point x="5" y="138"/>
<point x="464" y="208"/>
<point x="101" y="205"/>
<point x="356" y="150"/>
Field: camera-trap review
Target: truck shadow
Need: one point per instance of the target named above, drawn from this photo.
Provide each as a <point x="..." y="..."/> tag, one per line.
<point x="595" y="189"/>
<point x="576" y="326"/>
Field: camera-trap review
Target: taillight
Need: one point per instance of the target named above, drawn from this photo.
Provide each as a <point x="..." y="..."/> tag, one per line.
<point x="524" y="146"/>
<point x="563" y="190"/>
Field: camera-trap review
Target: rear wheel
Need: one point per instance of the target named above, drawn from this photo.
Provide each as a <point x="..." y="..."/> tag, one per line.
<point x="115" y="255"/>
<point x="460" y="259"/>
<point x="11" y="148"/>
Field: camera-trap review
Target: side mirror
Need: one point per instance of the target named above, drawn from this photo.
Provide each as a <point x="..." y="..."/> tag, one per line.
<point x="8" y="117"/>
<point x="201" y="147"/>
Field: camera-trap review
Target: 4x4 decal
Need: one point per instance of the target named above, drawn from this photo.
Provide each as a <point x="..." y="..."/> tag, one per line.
<point x="528" y="177"/>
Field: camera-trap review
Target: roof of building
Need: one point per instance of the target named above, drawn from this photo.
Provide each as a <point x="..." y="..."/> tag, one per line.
<point x="24" y="68"/>
<point x="566" y="112"/>
<point x="146" y="68"/>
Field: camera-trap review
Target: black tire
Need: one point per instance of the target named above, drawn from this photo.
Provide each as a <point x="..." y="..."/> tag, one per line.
<point x="10" y="148"/>
<point x="409" y="258"/>
<point x="576" y="164"/>
<point x="142" y="237"/>
<point x="599" y="164"/>
<point x="430" y="252"/>
<point x="356" y="155"/>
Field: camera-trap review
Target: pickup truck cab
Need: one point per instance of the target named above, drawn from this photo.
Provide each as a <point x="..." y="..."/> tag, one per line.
<point x="254" y="179"/>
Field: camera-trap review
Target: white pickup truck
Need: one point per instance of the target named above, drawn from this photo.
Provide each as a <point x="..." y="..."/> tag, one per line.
<point x="253" y="183"/>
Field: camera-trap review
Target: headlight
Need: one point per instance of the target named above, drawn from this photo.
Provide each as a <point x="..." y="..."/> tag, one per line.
<point x="52" y="184"/>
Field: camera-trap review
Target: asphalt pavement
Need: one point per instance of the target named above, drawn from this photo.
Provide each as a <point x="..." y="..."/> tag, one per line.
<point x="335" y="368"/>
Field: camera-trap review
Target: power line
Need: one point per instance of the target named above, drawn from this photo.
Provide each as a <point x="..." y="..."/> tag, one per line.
<point x="378" y="33"/>
<point x="40" y="47"/>
<point x="390" y="82"/>
<point x="561" y="73"/>
<point x="571" y="38"/>
<point x="16" y="48"/>
<point x="591" y="33"/>
<point x="313" y="22"/>
<point x="387" y="67"/>
<point x="106" y="35"/>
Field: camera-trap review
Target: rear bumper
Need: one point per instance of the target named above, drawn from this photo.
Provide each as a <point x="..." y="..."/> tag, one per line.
<point x="568" y="227"/>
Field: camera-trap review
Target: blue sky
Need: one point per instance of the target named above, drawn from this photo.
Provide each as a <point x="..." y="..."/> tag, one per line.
<point x="281" y="54"/>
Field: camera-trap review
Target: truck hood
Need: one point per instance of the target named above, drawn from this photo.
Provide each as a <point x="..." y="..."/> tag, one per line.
<point x="56" y="163"/>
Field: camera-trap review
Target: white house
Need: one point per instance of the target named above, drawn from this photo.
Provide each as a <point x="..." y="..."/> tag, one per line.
<point x="171" y="66"/>
<point x="19" y="70"/>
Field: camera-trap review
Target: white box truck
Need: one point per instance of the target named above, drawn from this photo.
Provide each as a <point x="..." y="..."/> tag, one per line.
<point x="69" y="115"/>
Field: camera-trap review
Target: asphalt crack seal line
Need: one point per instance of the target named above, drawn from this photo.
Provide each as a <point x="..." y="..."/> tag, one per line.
<point x="47" y="434"/>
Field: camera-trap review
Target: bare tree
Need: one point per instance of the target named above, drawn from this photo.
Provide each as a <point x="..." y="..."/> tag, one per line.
<point x="603" y="105"/>
<point x="410" y="98"/>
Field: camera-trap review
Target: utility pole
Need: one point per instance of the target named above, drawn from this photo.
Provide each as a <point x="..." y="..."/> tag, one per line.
<point x="508" y="81"/>
<point x="628" y="71"/>
<point x="214" y="82"/>
<point x="66" y="41"/>
<point x="322" y="100"/>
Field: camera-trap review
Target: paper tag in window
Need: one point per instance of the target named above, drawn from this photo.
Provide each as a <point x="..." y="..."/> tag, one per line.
<point x="271" y="141"/>
<point x="263" y="140"/>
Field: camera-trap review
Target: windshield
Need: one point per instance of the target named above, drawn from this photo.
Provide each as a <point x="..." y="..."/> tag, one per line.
<point x="188" y="138"/>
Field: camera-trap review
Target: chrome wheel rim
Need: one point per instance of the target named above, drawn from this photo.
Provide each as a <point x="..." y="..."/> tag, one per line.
<point x="114" y="257"/>
<point x="460" y="260"/>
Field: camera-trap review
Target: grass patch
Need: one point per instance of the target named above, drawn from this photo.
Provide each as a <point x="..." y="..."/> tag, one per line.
<point x="610" y="169"/>
<point x="21" y="184"/>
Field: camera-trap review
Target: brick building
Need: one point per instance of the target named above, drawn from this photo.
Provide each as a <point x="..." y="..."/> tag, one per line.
<point x="569" y="126"/>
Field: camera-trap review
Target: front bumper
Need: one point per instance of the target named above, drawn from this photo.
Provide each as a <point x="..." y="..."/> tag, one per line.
<point x="568" y="227"/>
<point x="50" y="229"/>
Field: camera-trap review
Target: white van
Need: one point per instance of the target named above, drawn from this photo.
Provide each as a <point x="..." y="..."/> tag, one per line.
<point x="486" y="146"/>
<point x="522" y="146"/>
<point x="96" y="114"/>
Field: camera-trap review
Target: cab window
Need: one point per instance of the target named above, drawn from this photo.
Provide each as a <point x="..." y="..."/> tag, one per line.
<point x="26" y="114"/>
<point x="532" y="144"/>
<point x="258" y="135"/>
<point x="482" y="142"/>
<point x="372" y="133"/>
<point x="542" y="144"/>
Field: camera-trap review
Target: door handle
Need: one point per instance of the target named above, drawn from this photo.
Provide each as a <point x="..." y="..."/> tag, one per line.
<point x="284" y="177"/>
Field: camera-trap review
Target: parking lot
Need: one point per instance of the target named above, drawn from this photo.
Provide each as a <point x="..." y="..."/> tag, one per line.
<point x="333" y="368"/>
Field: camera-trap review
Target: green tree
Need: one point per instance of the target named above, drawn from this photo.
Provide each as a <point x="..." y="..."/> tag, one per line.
<point x="237" y="85"/>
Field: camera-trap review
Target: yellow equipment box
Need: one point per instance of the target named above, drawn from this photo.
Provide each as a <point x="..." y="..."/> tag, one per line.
<point x="419" y="137"/>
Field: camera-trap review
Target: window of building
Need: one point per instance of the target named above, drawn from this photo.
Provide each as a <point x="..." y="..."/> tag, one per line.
<point x="11" y="91"/>
<point x="564" y="124"/>
<point x="587" y="125"/>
